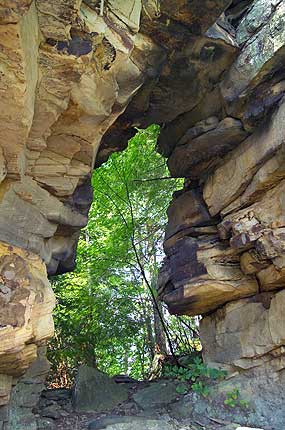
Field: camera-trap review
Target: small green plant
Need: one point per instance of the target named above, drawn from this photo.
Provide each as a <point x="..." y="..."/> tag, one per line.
<point x="197" y="373"/>
<point x="244" y="404"/>
<point x="201" y="388"/>
<point x="180" y="373"/>
<point x="233" y="400"/>
<point x="182" y="388"/>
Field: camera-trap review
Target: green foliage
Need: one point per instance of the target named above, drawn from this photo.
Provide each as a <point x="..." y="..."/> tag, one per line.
<point x="234" y="400"/>
<point x="182" y="388"/>
<point x="201" y="388"/>
<point x="176" y="372"/>
<point x="197" y="373"/>
<point x="95" y="324"/>
<point x="105" y="315"/>
<point x="194" y="370"/>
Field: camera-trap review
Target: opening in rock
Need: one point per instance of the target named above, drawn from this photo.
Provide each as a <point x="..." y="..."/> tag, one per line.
<point x="108" y="313"/>
<point x="76" y="79"/>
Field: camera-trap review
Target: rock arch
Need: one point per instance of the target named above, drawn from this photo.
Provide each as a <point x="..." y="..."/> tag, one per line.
<point x="73" y="85"/>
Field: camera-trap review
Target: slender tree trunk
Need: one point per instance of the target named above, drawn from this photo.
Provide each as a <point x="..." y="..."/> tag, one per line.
<point x="126" y="362"/>
<point x="159" y="322"/>
<point x="160" y="338"/>
<point x="150" y="336"/>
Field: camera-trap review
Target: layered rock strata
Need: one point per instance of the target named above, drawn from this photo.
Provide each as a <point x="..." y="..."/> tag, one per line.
<point x="75" y="81"/>
<point x="225" y="236"/>
<point x="67" y="73"/>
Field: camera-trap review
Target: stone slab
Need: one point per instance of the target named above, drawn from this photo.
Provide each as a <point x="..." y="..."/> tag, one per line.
<point x="95" y="392"/>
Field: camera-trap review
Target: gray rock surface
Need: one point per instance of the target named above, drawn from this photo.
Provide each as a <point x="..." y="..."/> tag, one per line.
<point x="52" y="411"/>
<point x="94" y="391"/>
<point x="25" y="395"/>
<point x="129" y="423"/>
<point x="156" y="395"/>
<point x="182" y="409"/>
<point x="46" y="424"/>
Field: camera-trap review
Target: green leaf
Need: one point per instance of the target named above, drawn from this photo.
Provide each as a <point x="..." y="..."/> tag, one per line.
<point x="182" y="389"/>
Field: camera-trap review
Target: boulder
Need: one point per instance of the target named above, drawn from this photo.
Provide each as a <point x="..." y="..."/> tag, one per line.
<point x="182" y="409"/>
<point x="57" y="394"/>
<point x="25" y="394"/>
<point x="156" y="395"/>
<point x="94" y="391"/>
<point x="52" y="411"/>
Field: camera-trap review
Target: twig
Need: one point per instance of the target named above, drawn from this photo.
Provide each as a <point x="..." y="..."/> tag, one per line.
<point x="221" y="422"/>
<point x="199" y="424"/>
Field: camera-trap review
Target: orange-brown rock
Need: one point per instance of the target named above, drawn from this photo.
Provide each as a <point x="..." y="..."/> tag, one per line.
<point x="26" y="305"/>
<point x="239" y="167"/>
<point x="68" y="73"/>
<point x="246" y="333"/>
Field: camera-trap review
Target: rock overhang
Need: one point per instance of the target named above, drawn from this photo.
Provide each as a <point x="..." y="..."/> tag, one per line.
<point x="75" y="84"/>
<point x="81" y="82"/>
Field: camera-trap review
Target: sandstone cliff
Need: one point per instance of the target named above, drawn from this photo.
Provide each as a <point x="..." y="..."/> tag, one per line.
<point x="75" y="80"/>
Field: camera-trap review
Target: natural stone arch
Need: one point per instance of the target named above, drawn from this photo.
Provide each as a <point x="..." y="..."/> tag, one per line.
<point x="73" y="85"/>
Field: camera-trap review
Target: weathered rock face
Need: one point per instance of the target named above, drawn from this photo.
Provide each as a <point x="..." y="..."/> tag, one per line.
<point x="25" y="395"/>
<point x="74" y="83"/>
<point x="67" y="73"/>
<point x="247" y="333"/>
<point x="242" y="229"/>
<point x="26" y="321"/>
<point x="225" y="237"/>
